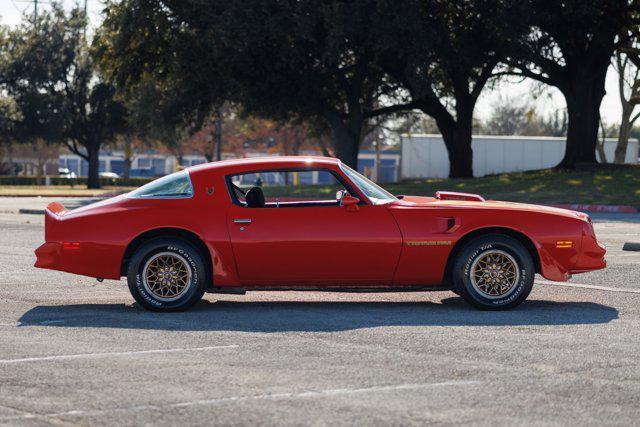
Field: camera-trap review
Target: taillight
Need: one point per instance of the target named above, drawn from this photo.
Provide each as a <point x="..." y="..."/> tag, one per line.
<point x="70" y="245"/>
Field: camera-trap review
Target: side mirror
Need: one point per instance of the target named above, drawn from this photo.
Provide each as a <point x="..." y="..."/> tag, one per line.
<point x="350" y="203"/>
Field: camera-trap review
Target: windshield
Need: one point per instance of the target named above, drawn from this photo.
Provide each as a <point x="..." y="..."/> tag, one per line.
<point x="171" y="186"/>
<point x="373" y="191"/>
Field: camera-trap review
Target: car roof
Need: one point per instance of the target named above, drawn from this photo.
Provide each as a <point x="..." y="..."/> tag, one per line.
<point x="253" y="163"/>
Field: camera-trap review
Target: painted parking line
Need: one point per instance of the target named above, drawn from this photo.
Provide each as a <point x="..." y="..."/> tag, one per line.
<point x="308" y="394"/>
<point x="111" y="354"/>
<point x="596" y="287"/>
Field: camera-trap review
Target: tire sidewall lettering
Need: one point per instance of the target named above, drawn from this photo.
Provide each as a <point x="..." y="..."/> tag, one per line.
<point x="192" y="285"/>
<point x="519" y="287"/>
<point x="143" y="292"/>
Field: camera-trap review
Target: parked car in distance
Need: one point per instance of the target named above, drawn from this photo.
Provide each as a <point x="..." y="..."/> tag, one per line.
<point x="109" y="175"/>
<point x="66" y="173"/>
<point x="312" y="223"/>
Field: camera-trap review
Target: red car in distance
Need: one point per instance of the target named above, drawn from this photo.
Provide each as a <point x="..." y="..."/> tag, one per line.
<point x="312" y="223"/>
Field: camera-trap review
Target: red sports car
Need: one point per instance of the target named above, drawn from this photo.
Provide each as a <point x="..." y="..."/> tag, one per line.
<point x="312" y="223"/>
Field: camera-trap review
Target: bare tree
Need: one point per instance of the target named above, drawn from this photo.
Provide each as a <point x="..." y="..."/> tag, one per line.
<point x="509" y="116"/>
<point x="627" y="63"/>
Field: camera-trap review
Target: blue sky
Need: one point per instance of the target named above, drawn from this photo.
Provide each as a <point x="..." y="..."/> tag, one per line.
<point x="10" y="13"/>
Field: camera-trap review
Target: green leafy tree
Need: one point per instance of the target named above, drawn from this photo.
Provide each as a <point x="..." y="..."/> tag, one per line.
<point x="10" y="116"/>
<point x="284" y="60"/>
<point x="569" y="45"/>
<point x="35" y="58"/>
<point x="93" y="116"/>
<point x="51" y="75"/>
<point x="444" y="53"/>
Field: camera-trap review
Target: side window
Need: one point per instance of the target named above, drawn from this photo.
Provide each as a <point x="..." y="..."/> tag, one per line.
<point x="175" y="185"/>
<point x="289" y="188"/>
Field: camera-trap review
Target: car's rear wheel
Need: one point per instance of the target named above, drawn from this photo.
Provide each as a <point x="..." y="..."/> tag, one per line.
<point x="493" y="272"/>
<point x="167" y="274"/>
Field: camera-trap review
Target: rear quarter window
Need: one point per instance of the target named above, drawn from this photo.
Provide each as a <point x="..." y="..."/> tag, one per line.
<point x="171" y="186"/>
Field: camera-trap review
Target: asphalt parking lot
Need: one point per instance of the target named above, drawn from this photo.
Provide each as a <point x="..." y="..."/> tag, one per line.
<point x="77" y="352"/>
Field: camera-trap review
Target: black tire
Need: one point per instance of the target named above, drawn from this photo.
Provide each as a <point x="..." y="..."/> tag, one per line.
<point x="179" y="251"/>
<point x="470" y="259"/>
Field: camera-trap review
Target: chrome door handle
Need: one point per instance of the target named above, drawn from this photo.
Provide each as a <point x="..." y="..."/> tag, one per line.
<point x="242" y="221"/>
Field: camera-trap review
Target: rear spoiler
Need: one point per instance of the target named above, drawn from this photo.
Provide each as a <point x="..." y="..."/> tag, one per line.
<point x="55" y="208"/>
<point x="52" y="214"/>
<point x="452" y="195"/>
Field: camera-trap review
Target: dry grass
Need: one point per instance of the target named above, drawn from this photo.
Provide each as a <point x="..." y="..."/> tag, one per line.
<point x="58" y="190"/>
<point x="621" y="186"/>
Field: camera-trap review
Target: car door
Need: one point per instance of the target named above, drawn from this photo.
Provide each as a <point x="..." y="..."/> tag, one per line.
<point x="308" y="238"/>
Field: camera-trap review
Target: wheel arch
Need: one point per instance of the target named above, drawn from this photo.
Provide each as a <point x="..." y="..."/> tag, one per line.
<point x="179" y="233"/>
<point x="518" y="235"/>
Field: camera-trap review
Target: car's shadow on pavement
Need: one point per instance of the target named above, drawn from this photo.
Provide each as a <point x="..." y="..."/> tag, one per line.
<point x="288" y="316"/>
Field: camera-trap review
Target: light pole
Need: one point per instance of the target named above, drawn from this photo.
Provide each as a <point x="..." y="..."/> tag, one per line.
<point x="218" y="133"/>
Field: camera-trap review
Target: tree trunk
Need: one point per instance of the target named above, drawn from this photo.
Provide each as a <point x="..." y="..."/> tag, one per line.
<point x="93" y="179"/>
<point x="623" y="137"/>
<point x="12" y="168"/>
<point x="128" y="154"/>
<point x="346" y="149"/>
<point x="583" y="104"/>
<point x="460" y="152"/>
<point x="346" y="139"/>
<point x="38" y="148"/>
<point x="456" y="134"/>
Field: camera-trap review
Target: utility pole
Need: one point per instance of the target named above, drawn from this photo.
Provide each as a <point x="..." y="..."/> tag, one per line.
<point x="378" y="137"/>
<point x="218" y="133"/>
<point x="86" y="19"/>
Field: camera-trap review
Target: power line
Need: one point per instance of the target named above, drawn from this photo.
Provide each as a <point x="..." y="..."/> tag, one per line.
<point x="13" y="2"/>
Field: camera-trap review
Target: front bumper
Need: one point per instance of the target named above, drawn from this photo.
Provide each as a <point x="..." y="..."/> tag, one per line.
<point x="591" y="256"/>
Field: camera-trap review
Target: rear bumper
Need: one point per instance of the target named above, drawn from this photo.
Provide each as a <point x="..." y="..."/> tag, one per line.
<point x="48" y="255"/>
<point x="87" y="259"/>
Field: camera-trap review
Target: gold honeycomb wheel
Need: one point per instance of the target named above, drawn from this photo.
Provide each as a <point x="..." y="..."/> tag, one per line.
<point x="167" y="276"/>
<point x="494" y="274"/>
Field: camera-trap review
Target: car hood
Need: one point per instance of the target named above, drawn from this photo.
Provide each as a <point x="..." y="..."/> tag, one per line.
<point x="418" y="201"/>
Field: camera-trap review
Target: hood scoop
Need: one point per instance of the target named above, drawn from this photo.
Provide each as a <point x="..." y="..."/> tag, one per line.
<point x="452" y="195"/>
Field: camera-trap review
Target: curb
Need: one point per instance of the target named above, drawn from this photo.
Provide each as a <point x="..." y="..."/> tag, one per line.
<point x="31" y="211"/>
<point x="631" y="246"/>
<point x="598" y="208"/>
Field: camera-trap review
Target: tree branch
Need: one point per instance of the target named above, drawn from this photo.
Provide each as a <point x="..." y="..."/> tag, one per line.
<point x="73" y="147"/>
<point x="390" y="109"/>
<point x="483" y="78"/>
<point x="523" y="72"/>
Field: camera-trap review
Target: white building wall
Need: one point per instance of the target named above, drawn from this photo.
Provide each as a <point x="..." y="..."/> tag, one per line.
<point x="425" y="156"/>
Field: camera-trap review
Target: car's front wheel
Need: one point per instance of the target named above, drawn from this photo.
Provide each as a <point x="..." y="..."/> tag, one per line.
<point x="493" y="272"/>
<point x="167" y="274"/>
